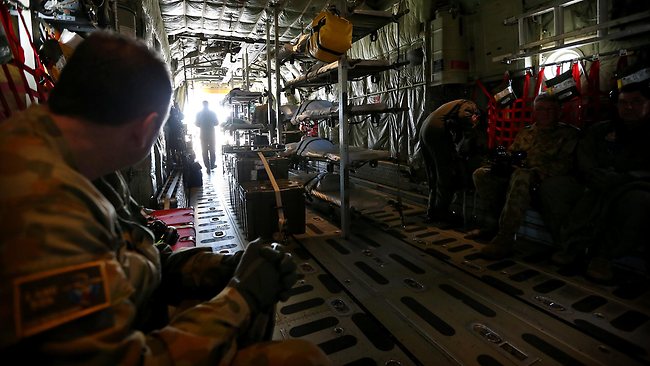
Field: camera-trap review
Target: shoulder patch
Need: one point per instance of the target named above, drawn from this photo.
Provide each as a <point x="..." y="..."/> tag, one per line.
<point x="47" y="299"/>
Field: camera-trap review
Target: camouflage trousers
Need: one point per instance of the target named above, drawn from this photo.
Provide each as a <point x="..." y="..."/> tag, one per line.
<point x="289" y="352"/>
<point x="505" y="197"/>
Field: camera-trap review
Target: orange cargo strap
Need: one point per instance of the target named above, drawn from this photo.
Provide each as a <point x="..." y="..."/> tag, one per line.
<point x="278" y="195"/>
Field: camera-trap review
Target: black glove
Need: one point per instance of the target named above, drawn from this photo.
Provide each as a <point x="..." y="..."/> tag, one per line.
<point x="159" y="228"/>
<point x="264" y="275"/>
<point x="230" y="262"/>
<point x="606" y="179"/>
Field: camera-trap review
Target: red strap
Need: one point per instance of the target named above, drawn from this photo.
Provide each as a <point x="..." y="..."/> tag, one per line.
<point x="538" y="82"/>
<point x="29" y="37"/>
<point x="41" y="77"/>
<point x="14" y="42"/>
<point x="17" y="51"/>
<point x="12" y="86"/>
<point x="558" y="70"/>
<point x="43" y="81"/>
<point x="482" y="87"/>
<point x="594" y="78"/>
<point x="575" y="70"/>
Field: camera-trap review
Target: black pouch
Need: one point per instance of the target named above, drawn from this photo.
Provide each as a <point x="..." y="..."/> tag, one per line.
<point x="562" y="86"/>
<point x="505" y="97"/>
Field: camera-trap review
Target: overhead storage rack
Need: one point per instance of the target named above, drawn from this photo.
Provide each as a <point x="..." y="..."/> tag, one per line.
<point x="329" y="74"/>
<point x="341" y="72"/>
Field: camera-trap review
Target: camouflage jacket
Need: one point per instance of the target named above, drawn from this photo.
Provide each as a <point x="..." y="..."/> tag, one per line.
<point x="610" y="155"/>
<point x="455" y="119"/>
<point x="70" y="284"/>
<point x="549" y="151"/>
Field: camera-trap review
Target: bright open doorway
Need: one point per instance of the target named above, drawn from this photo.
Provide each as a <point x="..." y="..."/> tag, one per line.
<point x="194" y="105"/>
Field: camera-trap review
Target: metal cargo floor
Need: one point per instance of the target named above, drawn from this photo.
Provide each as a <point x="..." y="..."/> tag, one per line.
<point x="412" y="294"/>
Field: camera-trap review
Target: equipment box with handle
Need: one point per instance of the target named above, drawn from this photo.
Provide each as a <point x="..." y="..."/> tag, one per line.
<point x="258" y="209"/>
<point x="251" y="168"/>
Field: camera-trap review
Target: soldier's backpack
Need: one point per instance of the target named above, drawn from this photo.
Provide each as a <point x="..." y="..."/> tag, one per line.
<point x="331" y="36"/>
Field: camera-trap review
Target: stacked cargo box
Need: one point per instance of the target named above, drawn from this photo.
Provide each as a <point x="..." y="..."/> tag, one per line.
<point x="253" y="196"/>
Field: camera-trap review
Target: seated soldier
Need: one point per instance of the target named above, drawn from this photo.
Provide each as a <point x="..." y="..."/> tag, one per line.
<point x="547" y="146"/>
<point x="76" y="279"/>
<point x="188" y="275"/>
<point x="612" y="211"/>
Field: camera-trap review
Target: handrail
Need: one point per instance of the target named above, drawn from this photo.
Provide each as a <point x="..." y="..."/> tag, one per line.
<point x="541" y="10"/>
<point x="589" y="29"/>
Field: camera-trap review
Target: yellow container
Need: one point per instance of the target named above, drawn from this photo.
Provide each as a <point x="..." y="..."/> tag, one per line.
<point x="331" y="36"/>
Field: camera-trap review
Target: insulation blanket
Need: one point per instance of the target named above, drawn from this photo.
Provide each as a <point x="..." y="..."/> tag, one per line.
<point x="316" y="147"/>
<point x="314" y="112"/>
<point x="240" y="124"/>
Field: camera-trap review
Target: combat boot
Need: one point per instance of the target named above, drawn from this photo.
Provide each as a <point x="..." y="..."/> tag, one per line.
<point x="499" y="247"/>
<point x="600" y="270"/>
<point x="482" y="235"/>
<point x="564" y="257"/>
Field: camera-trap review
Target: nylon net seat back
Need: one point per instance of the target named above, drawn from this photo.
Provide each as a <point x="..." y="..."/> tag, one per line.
<point x="504" y="123"/>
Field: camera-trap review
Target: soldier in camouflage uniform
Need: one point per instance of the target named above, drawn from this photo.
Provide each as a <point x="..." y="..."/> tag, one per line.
<point x="549" y="148"/>
<point x="451" y="148"/>
<point x="610" y="210"/>
<point x="75" y="282"/>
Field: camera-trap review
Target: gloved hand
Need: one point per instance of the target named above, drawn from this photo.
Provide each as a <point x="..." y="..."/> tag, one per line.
<point x="230" y="262"/>
<point x="264" y="275"/>
<point x="605" y="179"/>
<point x="159" y="228"/>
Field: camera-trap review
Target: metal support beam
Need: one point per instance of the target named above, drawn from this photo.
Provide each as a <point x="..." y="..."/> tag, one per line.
<point x="278" y="123"/>
<point x="602" y="8"/>
<point x="542" y="10"/>
<point x="219" y="38"/>
<point x="620" y="34"/>
<point x="521" y="28"/>
<point x="575" y="38"/>
<point x="558" y="24"/>
<point x="246" y="79"/>
<point x="428" y="63"/>
<point x="343" y="147"/>
<point x="590" y="29"/>
<point x="269" y="112"/>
